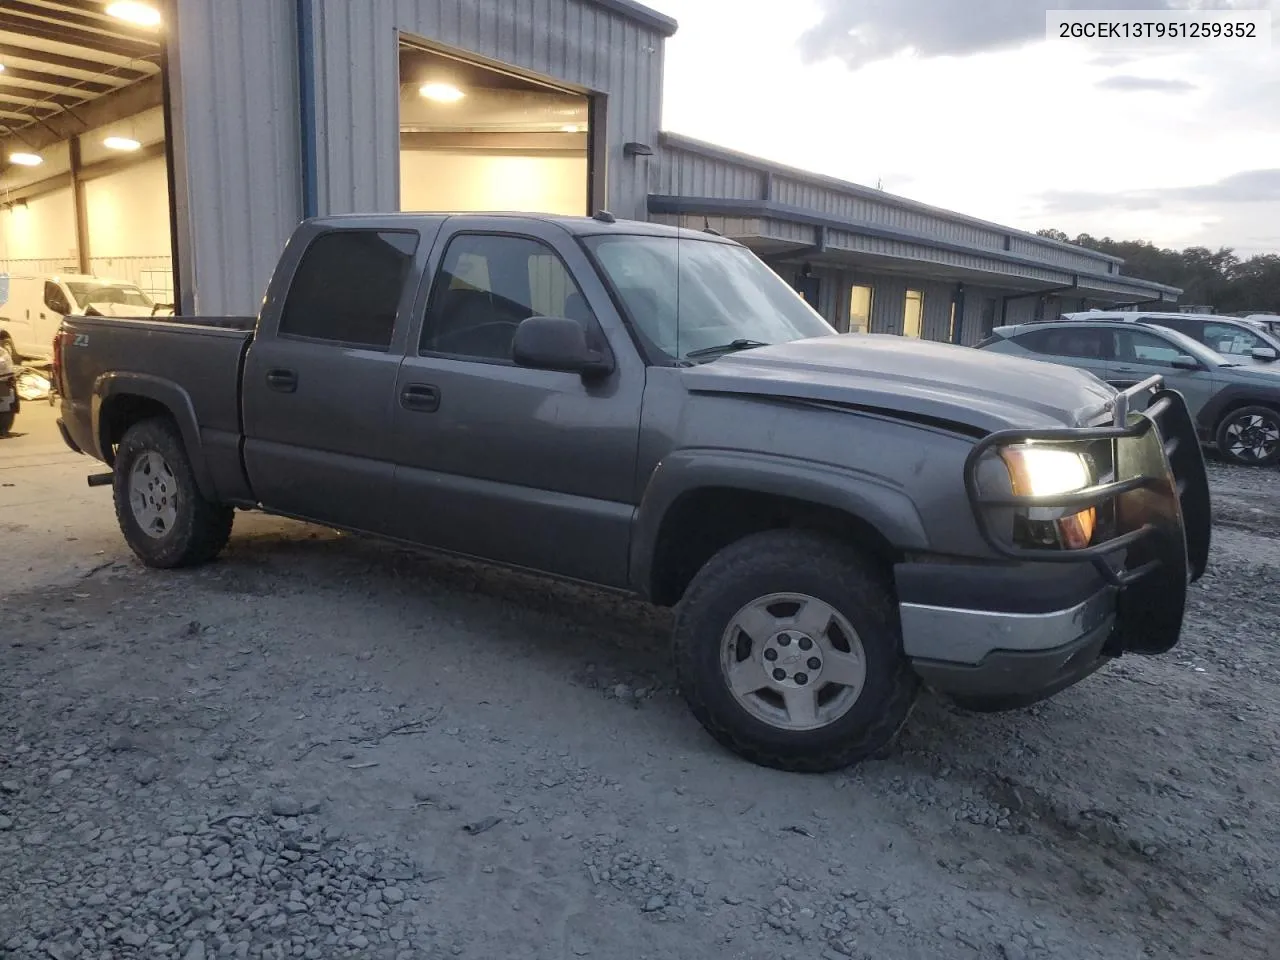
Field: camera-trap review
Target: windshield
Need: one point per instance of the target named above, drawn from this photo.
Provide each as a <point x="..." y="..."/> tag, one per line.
<point x="690" y="296"/>
<point x="87" y="293"/>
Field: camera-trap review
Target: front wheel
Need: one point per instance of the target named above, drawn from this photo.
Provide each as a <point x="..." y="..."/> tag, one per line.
<point x="788" y="652"/>
<point x="165" y="519"/>
<point x="1250" y="436"/>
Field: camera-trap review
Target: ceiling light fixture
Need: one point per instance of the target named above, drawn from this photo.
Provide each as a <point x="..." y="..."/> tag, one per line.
<point x="131" y="11"/>
<point x="26" y="159"/>
<point x="121" y="143"/>
<point x="441" y="92"/>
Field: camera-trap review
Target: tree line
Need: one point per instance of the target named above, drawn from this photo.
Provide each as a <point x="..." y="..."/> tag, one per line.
<point x="1217" y="278"/>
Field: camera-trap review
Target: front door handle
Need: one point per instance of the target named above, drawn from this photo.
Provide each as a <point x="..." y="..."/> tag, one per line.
<point x="282" y="381"/>
<point x="422" y="397"/>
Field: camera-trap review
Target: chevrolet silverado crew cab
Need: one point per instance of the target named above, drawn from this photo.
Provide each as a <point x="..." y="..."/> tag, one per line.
<point x="837" y="519"/>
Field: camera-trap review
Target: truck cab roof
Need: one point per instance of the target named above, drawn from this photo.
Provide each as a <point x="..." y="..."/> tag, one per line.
<point x="577" y="226"/>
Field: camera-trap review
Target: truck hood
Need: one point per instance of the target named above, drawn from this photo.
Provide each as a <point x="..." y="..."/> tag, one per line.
<point x="980" y="390"/>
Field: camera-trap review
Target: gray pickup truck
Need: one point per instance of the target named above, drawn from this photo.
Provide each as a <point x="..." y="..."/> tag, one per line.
<point x="837" y="519"/>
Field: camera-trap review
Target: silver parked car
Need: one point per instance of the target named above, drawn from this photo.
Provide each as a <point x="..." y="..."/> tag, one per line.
<point x="1235" y="400"/>
<point x="1230" y="336"/>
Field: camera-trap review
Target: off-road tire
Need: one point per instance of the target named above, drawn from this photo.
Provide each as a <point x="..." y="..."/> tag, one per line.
<point x="794" y="561"/>
<point x="1223" y="443"/>
<point x="201" y="529"/>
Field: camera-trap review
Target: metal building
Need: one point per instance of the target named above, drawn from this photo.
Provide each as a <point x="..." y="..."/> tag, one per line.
<point x="275" y="110"/>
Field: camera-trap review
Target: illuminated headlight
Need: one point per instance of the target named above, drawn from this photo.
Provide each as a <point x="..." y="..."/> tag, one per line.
<point x="1036" y="471"/>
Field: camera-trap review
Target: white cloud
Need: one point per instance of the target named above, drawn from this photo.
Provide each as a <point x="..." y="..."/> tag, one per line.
<point x="989" y="120"/>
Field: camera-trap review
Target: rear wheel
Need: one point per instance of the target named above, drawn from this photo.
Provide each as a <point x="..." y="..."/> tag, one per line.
<point x="1250" y="436"/>
<point x="788" y="651"/>
<point x="162" y="514"/>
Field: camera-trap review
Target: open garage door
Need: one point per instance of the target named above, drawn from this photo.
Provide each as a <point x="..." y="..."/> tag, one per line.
<point x="475" y="137"/>
<point x="84" y="185"/>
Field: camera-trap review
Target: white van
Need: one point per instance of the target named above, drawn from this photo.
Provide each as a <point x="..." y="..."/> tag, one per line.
<point x="32" y="308"/>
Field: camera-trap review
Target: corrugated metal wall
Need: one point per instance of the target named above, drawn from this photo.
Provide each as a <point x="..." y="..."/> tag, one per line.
<point x="572" y="42"/>
<point x="233" y="77"/>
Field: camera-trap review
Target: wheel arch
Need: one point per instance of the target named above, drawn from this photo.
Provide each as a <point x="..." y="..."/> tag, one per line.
<point x="122" y="399"/>
<point x="698" y="503"/>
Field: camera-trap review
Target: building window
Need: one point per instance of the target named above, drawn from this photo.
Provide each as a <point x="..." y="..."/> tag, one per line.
<point x="913" y="315"/>
<point x="988" y="316"/>
<point x="860" y="300"/>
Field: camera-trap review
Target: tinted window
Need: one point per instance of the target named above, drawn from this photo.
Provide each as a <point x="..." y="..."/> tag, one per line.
<point x="1084" y="343"/>
<point x="1230" y="340"/>
<point x="347" y="287"/>
<point x="988" y="315"/>
<point x="1139" y="346"/>
<point x="487" y="285"/>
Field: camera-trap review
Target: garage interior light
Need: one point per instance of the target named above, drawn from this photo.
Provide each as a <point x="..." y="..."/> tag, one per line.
<point x="441" y="92"/>
<point x="26" y="159"/>
<point x="121" y="143"/>
<point x="131" y="11"/>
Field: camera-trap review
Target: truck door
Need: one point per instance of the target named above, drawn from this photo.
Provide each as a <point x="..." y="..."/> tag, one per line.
<point x="529" y="467"/>
<point x="319" y="380"/>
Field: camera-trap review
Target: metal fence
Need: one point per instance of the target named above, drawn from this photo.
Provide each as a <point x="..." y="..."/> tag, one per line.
<point x="153" y="275"/>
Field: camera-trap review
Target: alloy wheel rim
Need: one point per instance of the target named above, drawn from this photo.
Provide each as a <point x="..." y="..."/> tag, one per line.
<point x="1253" y="437"/>
<point x="153" y="495"/>
<point x="793" y="661"/>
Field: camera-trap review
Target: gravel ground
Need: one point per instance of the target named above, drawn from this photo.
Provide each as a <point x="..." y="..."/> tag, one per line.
<point x="324" y="747"/>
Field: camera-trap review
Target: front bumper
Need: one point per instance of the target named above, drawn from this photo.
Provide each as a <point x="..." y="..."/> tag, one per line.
<point x="1046" y="617"/>
<point x="1000" y="654"/>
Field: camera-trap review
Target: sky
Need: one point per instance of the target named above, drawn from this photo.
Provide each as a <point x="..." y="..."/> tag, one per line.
<point x="964" y="104"/>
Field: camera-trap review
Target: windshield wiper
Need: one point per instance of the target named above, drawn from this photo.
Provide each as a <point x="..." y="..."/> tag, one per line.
<point x="731" y="347"/>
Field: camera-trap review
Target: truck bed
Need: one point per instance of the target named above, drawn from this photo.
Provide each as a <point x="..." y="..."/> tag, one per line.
<point x="191" y="361"/>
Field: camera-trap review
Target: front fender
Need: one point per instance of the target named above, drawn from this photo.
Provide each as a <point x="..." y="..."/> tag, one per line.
<point x="176" y="400"/>
<point x="873" y="499"/>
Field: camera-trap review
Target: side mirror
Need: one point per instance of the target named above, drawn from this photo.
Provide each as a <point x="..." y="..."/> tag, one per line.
<point x="557" y="343"/>
<point x="1185" y="362"/>
<point x="1263" y="353"/>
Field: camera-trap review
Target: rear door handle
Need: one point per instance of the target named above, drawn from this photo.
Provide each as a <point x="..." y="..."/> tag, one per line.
<point x="282" y="381"/>
<point x="421" y="397"/>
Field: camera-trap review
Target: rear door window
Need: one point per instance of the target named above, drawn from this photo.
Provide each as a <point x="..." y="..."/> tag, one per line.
<point x="1141" y="346"/>
<point x="1081" y="343"/>
<point x="347" y="288"/>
